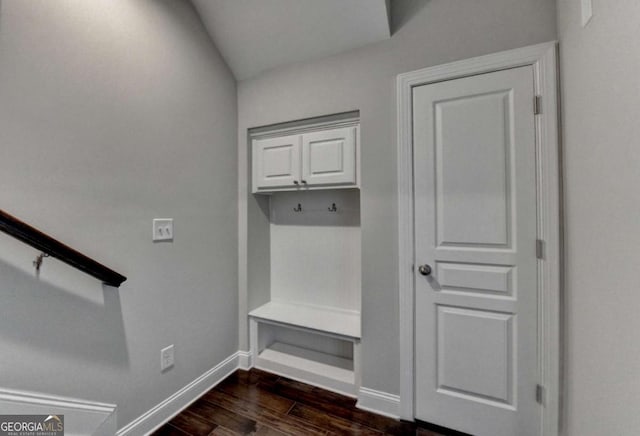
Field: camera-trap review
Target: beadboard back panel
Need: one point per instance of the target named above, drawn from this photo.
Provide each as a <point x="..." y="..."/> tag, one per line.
<point x="315" y="251"/>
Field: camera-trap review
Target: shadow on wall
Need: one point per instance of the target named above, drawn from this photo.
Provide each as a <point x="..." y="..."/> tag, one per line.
<point x="198" y="34"/>
<point x="47" y="318"/>
<point x="402" y="11"/>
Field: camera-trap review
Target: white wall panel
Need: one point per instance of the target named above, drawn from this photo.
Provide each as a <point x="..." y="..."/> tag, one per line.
<point x="315" y="254"/>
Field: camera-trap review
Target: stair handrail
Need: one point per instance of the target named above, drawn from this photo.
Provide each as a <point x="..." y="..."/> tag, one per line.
<point x="54" y="248"/>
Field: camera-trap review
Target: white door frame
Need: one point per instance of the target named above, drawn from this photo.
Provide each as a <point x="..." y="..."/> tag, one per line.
<point x="543" y="59"/>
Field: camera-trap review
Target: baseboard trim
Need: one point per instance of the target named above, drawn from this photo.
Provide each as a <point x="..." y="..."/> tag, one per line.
<point x="379" y="402"/>
<point x="39" y="399"/>
<point x="244" y="360"/>
<point x="157" y="416"/>
<point x="98" y="418"/>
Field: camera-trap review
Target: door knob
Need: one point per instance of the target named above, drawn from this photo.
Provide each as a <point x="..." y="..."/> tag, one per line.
<point x="425" y="270"/>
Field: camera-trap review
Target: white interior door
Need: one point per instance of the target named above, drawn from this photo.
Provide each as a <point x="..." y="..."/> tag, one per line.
<point x="475" y="225"/>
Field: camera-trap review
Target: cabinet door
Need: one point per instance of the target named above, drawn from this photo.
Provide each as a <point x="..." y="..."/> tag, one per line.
<point x="276" y="162"/>
<point x="329" y="157"/>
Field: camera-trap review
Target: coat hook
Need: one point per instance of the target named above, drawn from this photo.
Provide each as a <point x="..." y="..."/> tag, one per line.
<point x="298" y="209"/>
<point x="333" y="208"/>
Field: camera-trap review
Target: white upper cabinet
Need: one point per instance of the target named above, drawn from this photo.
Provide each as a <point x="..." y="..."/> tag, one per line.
<point x="314" y="160"/>
<point x="329" y="157"/>
<point x="276" y="162"/>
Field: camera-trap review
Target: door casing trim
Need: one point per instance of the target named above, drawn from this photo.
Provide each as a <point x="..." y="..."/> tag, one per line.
<point x="543" y="59"/>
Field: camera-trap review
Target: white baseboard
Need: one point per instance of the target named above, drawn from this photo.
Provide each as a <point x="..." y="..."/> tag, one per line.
<point x="370" y="400"/>
<point x="167" y="409"/>
<point x="82" y="417"/>
<point x="244" y="360"/>
<point x="379" y="402"/>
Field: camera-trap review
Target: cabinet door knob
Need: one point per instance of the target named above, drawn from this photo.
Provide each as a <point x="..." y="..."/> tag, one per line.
<point x="304" y="181"/>
<point x="295" y="182"/>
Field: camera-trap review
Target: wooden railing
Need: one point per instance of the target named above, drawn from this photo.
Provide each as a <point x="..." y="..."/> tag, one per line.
<point x="51" y="247"/>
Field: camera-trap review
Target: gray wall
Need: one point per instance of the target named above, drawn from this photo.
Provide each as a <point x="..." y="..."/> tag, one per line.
<point x="599" y="72"/>
<point x="113" y="112"/>
<point x="426" y="33"/>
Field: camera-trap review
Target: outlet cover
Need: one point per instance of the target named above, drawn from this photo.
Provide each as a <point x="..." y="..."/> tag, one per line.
<point x="166" y="358"/>
<point x="163" y="229"/>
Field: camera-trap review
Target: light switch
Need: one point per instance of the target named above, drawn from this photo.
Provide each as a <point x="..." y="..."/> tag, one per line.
<point x="163" y="229"/>
<point x="587" y="11"/>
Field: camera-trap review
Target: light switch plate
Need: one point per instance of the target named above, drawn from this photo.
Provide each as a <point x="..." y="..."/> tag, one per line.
<point x="587" y="11"/>
<point x="163" y="229"/>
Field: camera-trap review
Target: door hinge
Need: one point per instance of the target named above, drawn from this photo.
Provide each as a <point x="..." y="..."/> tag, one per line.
<point x="539" y="248"/>
<point x="540" y="394"/>
<point x="537" y="105"/>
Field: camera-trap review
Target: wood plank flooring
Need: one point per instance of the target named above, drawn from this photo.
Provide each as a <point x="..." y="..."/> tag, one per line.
<point x="259" y="403"/>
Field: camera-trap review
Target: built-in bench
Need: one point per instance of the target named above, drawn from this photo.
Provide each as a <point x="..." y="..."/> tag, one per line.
<point x="314" y="344"/>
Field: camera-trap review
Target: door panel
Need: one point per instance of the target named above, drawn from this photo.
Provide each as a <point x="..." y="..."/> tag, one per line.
<point x="329" y="157"/>
<point x="276" y="162"/>
<point x="472" y="342"/>
<point x="473" y="209"/>
<point x="475" y="224"/>
<point x="486" y="279"/>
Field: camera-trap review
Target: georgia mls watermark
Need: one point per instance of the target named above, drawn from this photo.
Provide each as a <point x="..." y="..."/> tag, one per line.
<point x="31" y="425"/>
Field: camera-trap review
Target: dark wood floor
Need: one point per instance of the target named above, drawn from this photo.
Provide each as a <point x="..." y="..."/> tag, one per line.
<point x="258" y="403"/>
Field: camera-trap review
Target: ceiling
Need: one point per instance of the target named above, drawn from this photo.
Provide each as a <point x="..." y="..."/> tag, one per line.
<point x="256" y="35"/>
